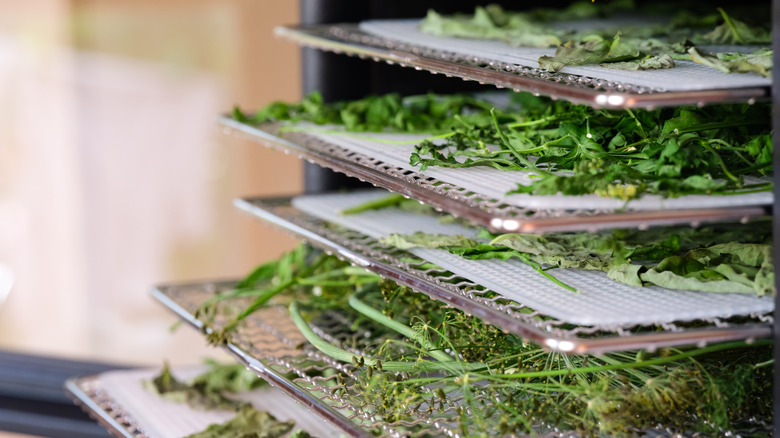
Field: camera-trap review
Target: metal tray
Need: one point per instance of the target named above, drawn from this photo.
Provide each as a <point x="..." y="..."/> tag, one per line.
<point x="88" y="393"/>
<point x="514" y="317"/>
<point x="476" y="207"/>
<point x="121" y="403"/>
<point x="269" y="343"/>
<point x="591" y="90"/>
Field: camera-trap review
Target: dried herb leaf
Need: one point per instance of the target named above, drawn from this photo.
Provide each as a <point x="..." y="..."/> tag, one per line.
<point x="206" y="391"/>
<point x="248" y="423"/>
<point x="758" y="62"/>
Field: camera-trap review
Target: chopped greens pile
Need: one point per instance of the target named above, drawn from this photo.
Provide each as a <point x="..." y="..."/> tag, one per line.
<point x="568" y="149"/>
<point x="413" y="358"/>
<point x="249" y="423"/>
<point x="208" y="391"/>
<point x="628" y="47"/>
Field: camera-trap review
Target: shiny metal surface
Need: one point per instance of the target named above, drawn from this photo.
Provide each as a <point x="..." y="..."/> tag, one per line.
<point x="88" y="393"/>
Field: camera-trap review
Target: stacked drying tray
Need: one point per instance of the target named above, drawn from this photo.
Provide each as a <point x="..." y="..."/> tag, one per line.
<point x="603" y="317"/>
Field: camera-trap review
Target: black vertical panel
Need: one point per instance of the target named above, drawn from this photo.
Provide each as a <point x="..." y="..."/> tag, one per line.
<point x="337" y="77"/>
<point x="775" y="209"/>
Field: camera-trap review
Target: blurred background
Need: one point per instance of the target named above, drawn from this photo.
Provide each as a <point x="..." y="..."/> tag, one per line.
<point x="114" y="175"/>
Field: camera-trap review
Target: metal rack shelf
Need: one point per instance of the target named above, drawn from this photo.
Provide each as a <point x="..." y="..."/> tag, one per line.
<point x="475" y="207"/>
<point x="520" y="319"/>
<point x="269" y="343"/>
<point x="349" y="39"/>
<point x="88" y="393"/>
<point x="122" y="402"/>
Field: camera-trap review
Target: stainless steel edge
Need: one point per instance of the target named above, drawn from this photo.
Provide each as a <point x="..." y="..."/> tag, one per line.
<point x="73" y="388"/>
<point x="643" y="219"/>
<point x="482" y="216"/>
<point x="404" y="187"/>
<point x="309" y="35"/>
<point x="285" y="385"/>
<point x="573" y="345"/>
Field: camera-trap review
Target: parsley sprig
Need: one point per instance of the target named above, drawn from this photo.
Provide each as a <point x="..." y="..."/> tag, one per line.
<point x="568" y="149"/>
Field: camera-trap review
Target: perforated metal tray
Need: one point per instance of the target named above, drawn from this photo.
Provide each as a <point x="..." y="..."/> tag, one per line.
<point x="479" y="208"/>
<point x="514" y="317"/>
<point x="121" y="402"/>
<point x="451" y="59"/>
<point x="88" y="393"/>
<point x="269" y="343"/>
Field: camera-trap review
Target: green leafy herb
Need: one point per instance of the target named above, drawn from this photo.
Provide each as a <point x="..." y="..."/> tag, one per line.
<point x="649" y="62"/>
<point x="385" y="202"/>
<point x="734" y="31"/>
<point x="248" y="423"/>
<point x="492" y="23"/>
<point x="577" y="150"/>
<point x="207" y="391"/>
<point x="591" y="50"/>
<point x="425" y="113"/>
<point x="686" y="259"/>
<point x="638" y="48"/>
<point x="758" y="62"/>
<point x="424" y="360"/>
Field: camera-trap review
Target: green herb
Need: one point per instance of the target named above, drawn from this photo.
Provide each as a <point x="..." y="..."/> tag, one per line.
<point x="232" y="378"/>
<point x="248" y="423"/>
<point x="297" y="269"/>
<point x="758" y="62"/>
<point x="649" y="62"/>
<point x="734" y="31"/>
<point x="492" y="23"/>
<point x="592" y="50"/>
<point x="424" y="360"/>
<point x="684" y="259"/>
<point x="425" y="113"/>
<point x="638" y="48"/>
<point x="576" y="150"/>
<point x="207" y="391"/>
<point x="388" y="201"/>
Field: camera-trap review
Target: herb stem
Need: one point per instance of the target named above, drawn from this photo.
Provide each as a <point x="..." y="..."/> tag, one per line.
<point x="538" y="268"/>
<point x="629" y="365"/>
<point x="383" y="202"/>
<point x="506" y="142"/>
<point x="718" y="125"/>
<point x="345" y="356"/>
<point x="540" y="121"/>
<point x="722" y="164"/>
<point x="379" y="317"/>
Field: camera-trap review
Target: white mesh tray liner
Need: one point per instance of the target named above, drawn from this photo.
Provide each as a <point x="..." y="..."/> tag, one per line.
<point x="600" y="301"/>
<point x="685" y="76"/>
<point x="166" y="419"/>
<point x="496" y="183"/>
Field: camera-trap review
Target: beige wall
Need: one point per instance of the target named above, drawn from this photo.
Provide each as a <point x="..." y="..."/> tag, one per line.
<point x="113" y="174"/>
